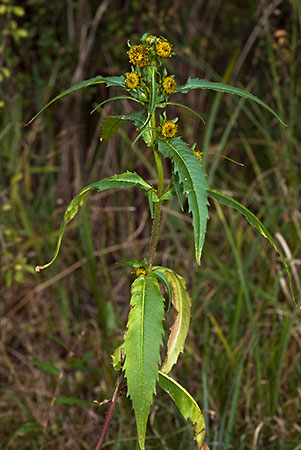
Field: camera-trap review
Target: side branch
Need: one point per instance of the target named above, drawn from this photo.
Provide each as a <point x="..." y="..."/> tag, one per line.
<point x="110" y="411"/>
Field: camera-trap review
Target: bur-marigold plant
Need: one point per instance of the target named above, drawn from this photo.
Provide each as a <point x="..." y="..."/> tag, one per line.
<point x="138" y="359"/>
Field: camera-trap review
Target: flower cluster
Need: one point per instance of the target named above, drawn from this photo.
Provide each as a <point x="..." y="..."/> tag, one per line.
<point x="147" y="75"/>
<point x="151" y="48"/>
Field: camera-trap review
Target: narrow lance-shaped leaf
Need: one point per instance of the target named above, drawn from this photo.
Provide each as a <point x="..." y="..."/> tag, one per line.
<point x="187" y="406"/>
<point x="142" y="342"/>
<point x="194" y="185"/>
<point x="123" y="180"/>
<point x="181" y="302"/>
<point x="196" y="83"/>
<point x="110" y="81"/>
<point x="255" y="222"/>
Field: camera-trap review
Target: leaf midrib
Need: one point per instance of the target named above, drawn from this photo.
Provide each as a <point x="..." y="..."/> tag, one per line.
<point x="193" y="185"/>
<point x="142" y="336"/>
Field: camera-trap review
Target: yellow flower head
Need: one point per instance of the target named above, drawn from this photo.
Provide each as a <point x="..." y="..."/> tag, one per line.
<point x="198" y="154"/>
<point x="140" y="271"/>
<point x="169" y="129"/>
<point x="138" y="55"/>
<point x="169" y="85"/>
<point x="132" y="80"/>
<point x="163" y="49"/>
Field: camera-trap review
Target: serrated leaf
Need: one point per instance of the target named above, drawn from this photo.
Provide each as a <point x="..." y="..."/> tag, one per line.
<point x="194" y="185"/>
<point x="72" y="401"/>
<point x="196" y="83"/>
<point x="110" y="81"/>
<point x="123" y="180"/>
<point x="114" y="81"/>
<point x="255" y="222"/>
<point x="181" y="302"/>
<point x="142" y="343"/>
<point x="187" y="406"/>
<point x="46" y="367"/>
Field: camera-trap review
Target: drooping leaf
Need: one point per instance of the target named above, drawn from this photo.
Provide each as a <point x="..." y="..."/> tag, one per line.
<point x="255" y="222"/>
<point x="110" y="81"/>
<point x="123" y="180"/>
<point x="46" y="367"/>
<point x="186" y="404"/>
<point x="162" y="277"/>
<point x="181" y="302"/>
<point x="194" y="185"/>
<point x="112" y="124"/>
<point x="112" y="99"/>
<point x="142" y="342"/>
<point x="196" y="83"/>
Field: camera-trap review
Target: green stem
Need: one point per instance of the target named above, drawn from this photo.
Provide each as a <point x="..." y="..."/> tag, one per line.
<point x="158" y="207"/>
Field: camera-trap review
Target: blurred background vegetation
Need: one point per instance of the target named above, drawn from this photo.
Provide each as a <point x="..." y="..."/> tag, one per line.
<point x="242" y="358"/>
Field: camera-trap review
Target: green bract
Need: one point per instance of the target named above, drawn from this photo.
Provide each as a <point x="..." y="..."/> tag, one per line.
<point x="149" y="85"/>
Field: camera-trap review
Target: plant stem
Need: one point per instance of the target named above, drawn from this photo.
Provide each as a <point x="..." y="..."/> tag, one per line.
<point x="158" y="206"/>
<point x="110" y="411"/>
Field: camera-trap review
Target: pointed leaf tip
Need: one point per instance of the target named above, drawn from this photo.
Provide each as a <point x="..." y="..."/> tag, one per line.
<point x="186" y="405"/>
<point x="122" y="180"/>
<point x="197" y="83"/>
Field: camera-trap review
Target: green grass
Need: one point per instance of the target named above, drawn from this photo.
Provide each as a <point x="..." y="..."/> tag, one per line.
<point x="242" y="358"/>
